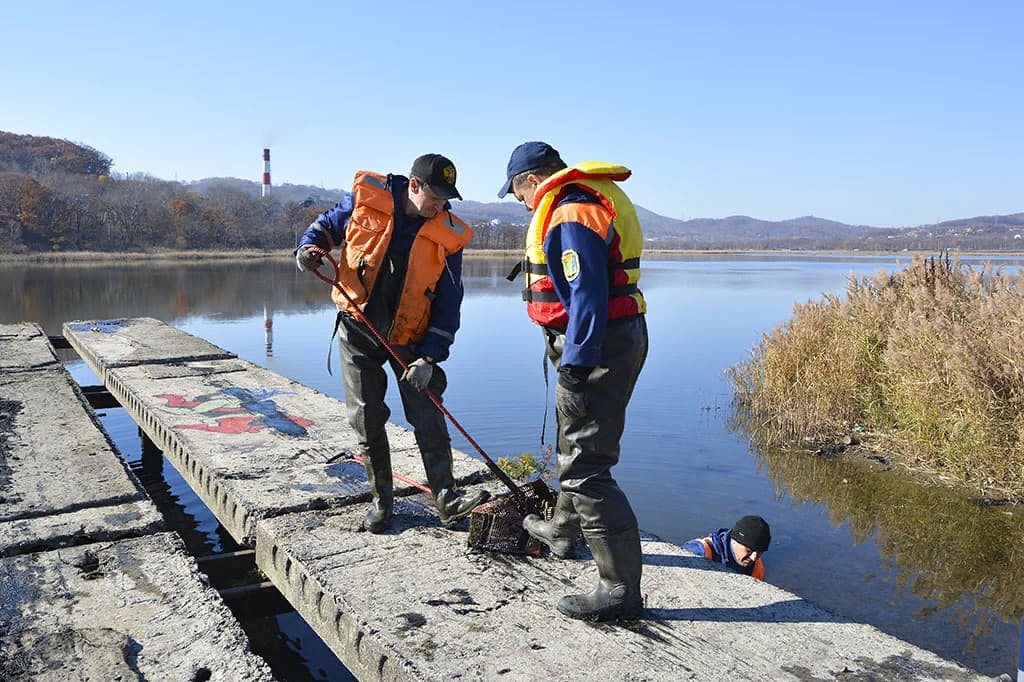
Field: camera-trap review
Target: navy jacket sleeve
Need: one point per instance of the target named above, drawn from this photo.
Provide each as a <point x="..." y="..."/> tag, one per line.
<point x="585" y="295"/>
<point x="328" y="230"/>
<point x="445" y="311"/>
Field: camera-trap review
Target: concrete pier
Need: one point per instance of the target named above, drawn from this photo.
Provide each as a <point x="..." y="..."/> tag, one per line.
<point x="416" y="604"/>
<point x="61" y="481"/>
<point x="125" y="610"/>
<point x="267" y="455"/>
<point x="90" y="586"/>
<point x="251" y="443"/>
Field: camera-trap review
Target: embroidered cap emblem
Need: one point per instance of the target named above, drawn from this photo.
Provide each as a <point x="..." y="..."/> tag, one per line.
<point x="449" y="174"/>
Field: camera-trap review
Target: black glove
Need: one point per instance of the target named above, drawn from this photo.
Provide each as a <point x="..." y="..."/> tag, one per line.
<point x="570" y="391"/>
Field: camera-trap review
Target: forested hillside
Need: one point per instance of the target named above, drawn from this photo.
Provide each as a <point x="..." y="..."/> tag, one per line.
<point x="57" y="195"/>
<point x="43" y="155"/>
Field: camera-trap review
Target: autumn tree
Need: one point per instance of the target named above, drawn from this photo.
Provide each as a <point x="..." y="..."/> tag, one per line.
<point x="44" y="155"/>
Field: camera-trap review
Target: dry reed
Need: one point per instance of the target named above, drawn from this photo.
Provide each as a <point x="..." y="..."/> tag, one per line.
<point x="926" y="361"/>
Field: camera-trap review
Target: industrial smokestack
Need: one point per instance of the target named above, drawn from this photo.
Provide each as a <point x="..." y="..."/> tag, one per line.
<point x="266" y="172"/>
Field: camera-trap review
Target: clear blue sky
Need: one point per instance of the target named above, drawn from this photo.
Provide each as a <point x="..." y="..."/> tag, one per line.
<point x="881" y="113"/>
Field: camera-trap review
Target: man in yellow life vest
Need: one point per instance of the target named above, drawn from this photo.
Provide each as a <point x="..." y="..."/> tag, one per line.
<point x="582" y="266"/>
<point x="401" y="264"/>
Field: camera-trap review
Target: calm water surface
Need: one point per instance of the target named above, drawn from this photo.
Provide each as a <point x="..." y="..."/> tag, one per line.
<point x="922" y="563"/>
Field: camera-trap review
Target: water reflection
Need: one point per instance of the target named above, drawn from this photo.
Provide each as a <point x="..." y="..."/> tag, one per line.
<point x="953" y="552"/>
<point x="174" y="291"/>
<point x="170" y="292"/>
<point x="268" y="330"/>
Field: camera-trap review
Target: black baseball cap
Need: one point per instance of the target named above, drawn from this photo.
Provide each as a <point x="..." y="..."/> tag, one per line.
<point x="752" y="532"/>
<point x="529" y="156"/>
<point x="438" y="172"/>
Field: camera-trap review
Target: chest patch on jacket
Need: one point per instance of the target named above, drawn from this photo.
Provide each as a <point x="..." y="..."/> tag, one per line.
<point x="570" y="264"/>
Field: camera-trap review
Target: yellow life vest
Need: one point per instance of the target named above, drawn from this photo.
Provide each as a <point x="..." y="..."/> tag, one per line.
<point x="598" y="178"/>
<point x="367" y="237"/>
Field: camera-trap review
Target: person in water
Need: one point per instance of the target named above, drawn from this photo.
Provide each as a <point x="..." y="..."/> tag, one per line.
<point x="740" y="547"/>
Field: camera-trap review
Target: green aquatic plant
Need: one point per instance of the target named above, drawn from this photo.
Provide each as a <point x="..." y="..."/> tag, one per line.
<point x="528" y="466"/>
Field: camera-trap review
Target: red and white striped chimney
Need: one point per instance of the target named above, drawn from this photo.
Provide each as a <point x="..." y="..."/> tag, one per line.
<point x="266" y="172"/>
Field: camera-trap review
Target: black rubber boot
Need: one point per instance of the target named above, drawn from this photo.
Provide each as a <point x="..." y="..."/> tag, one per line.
<point x="617" y="595"/>
<point x="561" y="533"/>
<point x="455" y="505"/>
<point x="378" y="473"/>
<point x="452" y="504"/>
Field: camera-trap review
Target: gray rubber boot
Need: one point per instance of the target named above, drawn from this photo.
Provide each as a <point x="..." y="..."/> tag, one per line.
<point x="561" y="533"/>
<point x="617" y="595"/>
<point x="453" y="505"/>
<point x="378" y="473"/>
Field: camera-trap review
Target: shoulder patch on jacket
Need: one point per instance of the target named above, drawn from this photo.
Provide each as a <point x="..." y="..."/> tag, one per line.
<point x="570" y="264"/>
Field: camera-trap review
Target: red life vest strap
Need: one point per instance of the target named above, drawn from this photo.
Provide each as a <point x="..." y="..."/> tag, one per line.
<point x="551" y="296"/>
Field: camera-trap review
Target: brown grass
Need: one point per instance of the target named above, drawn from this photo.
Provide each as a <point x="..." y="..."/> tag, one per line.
<point x="928" y="361"/>
<point x="85" y="257"/>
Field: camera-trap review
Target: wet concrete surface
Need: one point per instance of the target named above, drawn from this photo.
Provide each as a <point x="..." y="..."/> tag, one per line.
<point x="130" y="609"/>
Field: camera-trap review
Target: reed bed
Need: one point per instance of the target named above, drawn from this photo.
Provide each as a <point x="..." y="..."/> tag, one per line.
<point x="926" y="363"/>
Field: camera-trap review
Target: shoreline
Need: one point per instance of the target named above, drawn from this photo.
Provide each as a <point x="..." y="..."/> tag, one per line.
<point x="86" y="257"/>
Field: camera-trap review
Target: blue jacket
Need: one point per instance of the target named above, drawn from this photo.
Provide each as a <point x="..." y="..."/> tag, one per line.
<point x="586" y="297"/>
<point x="328" y="232"/>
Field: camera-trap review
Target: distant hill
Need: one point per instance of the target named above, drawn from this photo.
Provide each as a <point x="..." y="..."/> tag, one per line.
<point x="57" y="194"/>
<point x="996" y="223"/>
<point x="1000" y="232"/>
<point x="39" y="156"/>
<point x="736" y="231"/>
<point x="979" y="232"/>
<point x="704" y="231"/>
<point x="284" y="192"/>
<point x="507" y="212"/>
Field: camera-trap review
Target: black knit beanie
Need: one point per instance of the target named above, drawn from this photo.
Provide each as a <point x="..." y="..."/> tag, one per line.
<point x="752" y="532"/>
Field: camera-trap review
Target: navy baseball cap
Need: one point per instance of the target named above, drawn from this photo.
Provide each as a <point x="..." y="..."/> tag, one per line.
<point x="529" y="156"/>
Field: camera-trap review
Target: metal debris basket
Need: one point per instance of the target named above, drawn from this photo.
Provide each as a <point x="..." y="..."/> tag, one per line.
<point x="497" y="525"/>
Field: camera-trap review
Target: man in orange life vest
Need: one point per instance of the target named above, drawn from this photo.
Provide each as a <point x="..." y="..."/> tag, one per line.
<point x="582" y="265"/>
<point x="401" y="263"/>
<point x="740" y="547"/>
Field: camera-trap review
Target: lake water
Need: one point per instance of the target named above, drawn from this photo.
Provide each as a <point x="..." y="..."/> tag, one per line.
<point x="925" y="564"/>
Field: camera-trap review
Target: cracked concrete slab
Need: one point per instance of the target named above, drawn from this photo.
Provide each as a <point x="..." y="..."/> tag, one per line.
<point x="25" y="346"/>
<point x="61" y="480"/>
<point x="123" y="342"/>
<point x="96" y="524"/>
<point x="250" y="442"/>
<point x="134" y="609"/>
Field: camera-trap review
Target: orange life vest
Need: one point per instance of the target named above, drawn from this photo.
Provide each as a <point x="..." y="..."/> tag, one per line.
<point x="367" y="237"/>
<point x="598" y="178"/>
<point x="710" y="554"/>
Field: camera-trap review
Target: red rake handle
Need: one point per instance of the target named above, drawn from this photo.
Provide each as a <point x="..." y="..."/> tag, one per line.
<point x="404" y="479"/>
<point x="502" y="476"/>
